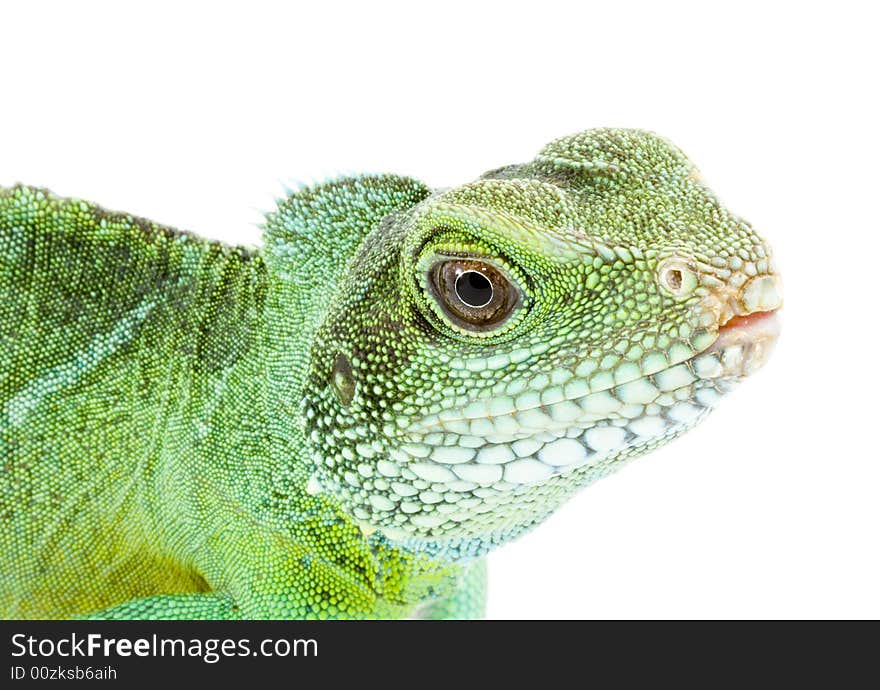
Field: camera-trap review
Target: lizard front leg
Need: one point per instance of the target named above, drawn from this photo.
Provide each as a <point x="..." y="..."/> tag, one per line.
<point x="290" y="582"/>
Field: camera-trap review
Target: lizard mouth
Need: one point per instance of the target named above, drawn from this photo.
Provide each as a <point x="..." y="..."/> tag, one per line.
<point x="745" y="342"/>
<point x="762" y="322"/>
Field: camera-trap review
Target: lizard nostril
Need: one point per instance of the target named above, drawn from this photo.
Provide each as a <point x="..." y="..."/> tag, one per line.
<point x="676" y="278"/>
<point x="673" y="279"/>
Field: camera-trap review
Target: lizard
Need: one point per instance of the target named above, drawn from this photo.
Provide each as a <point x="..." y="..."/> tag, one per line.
<point x="345" y="420"/>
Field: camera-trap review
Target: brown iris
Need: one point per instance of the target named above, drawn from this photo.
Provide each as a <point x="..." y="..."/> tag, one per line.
<point x="473" y="294"/>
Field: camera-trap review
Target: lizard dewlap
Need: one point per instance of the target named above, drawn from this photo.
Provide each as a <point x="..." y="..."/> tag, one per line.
<point x="345" y="421"/>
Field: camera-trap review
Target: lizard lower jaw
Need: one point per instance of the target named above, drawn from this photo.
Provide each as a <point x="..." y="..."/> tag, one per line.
<point x="745" y="343"/>
<point x="468" y="479"/>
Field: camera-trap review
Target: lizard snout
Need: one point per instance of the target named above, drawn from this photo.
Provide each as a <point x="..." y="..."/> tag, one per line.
<point x="748" y="323"/>
<point x="738" y="298"/>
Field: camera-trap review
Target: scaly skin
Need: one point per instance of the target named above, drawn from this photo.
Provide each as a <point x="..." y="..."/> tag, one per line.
<point x="190" y="430"/>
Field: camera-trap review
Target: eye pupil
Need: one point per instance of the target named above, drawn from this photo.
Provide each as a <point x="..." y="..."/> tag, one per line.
<point x="474" y="289"/>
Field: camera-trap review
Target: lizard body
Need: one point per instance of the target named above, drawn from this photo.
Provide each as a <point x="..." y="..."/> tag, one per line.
<point x="345" y="421"/>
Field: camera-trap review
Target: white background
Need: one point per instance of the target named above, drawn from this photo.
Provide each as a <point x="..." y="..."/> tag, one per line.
<point x="195" y="115"/>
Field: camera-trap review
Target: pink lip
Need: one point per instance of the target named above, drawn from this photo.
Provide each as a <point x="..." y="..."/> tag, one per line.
<point x="760" y="327"/>
<point x="760" y="320"/>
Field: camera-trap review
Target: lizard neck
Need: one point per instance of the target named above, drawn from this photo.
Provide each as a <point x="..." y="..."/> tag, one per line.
<point x="243" y="431"/>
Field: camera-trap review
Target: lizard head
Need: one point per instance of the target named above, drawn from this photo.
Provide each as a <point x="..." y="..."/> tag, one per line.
<point x="495" y="347"/>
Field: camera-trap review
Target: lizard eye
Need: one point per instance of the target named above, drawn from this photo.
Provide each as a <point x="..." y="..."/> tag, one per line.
<point x="473" y="294"/>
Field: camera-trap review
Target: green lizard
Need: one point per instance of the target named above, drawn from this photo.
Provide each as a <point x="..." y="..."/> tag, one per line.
<point x="344" y="422"/>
